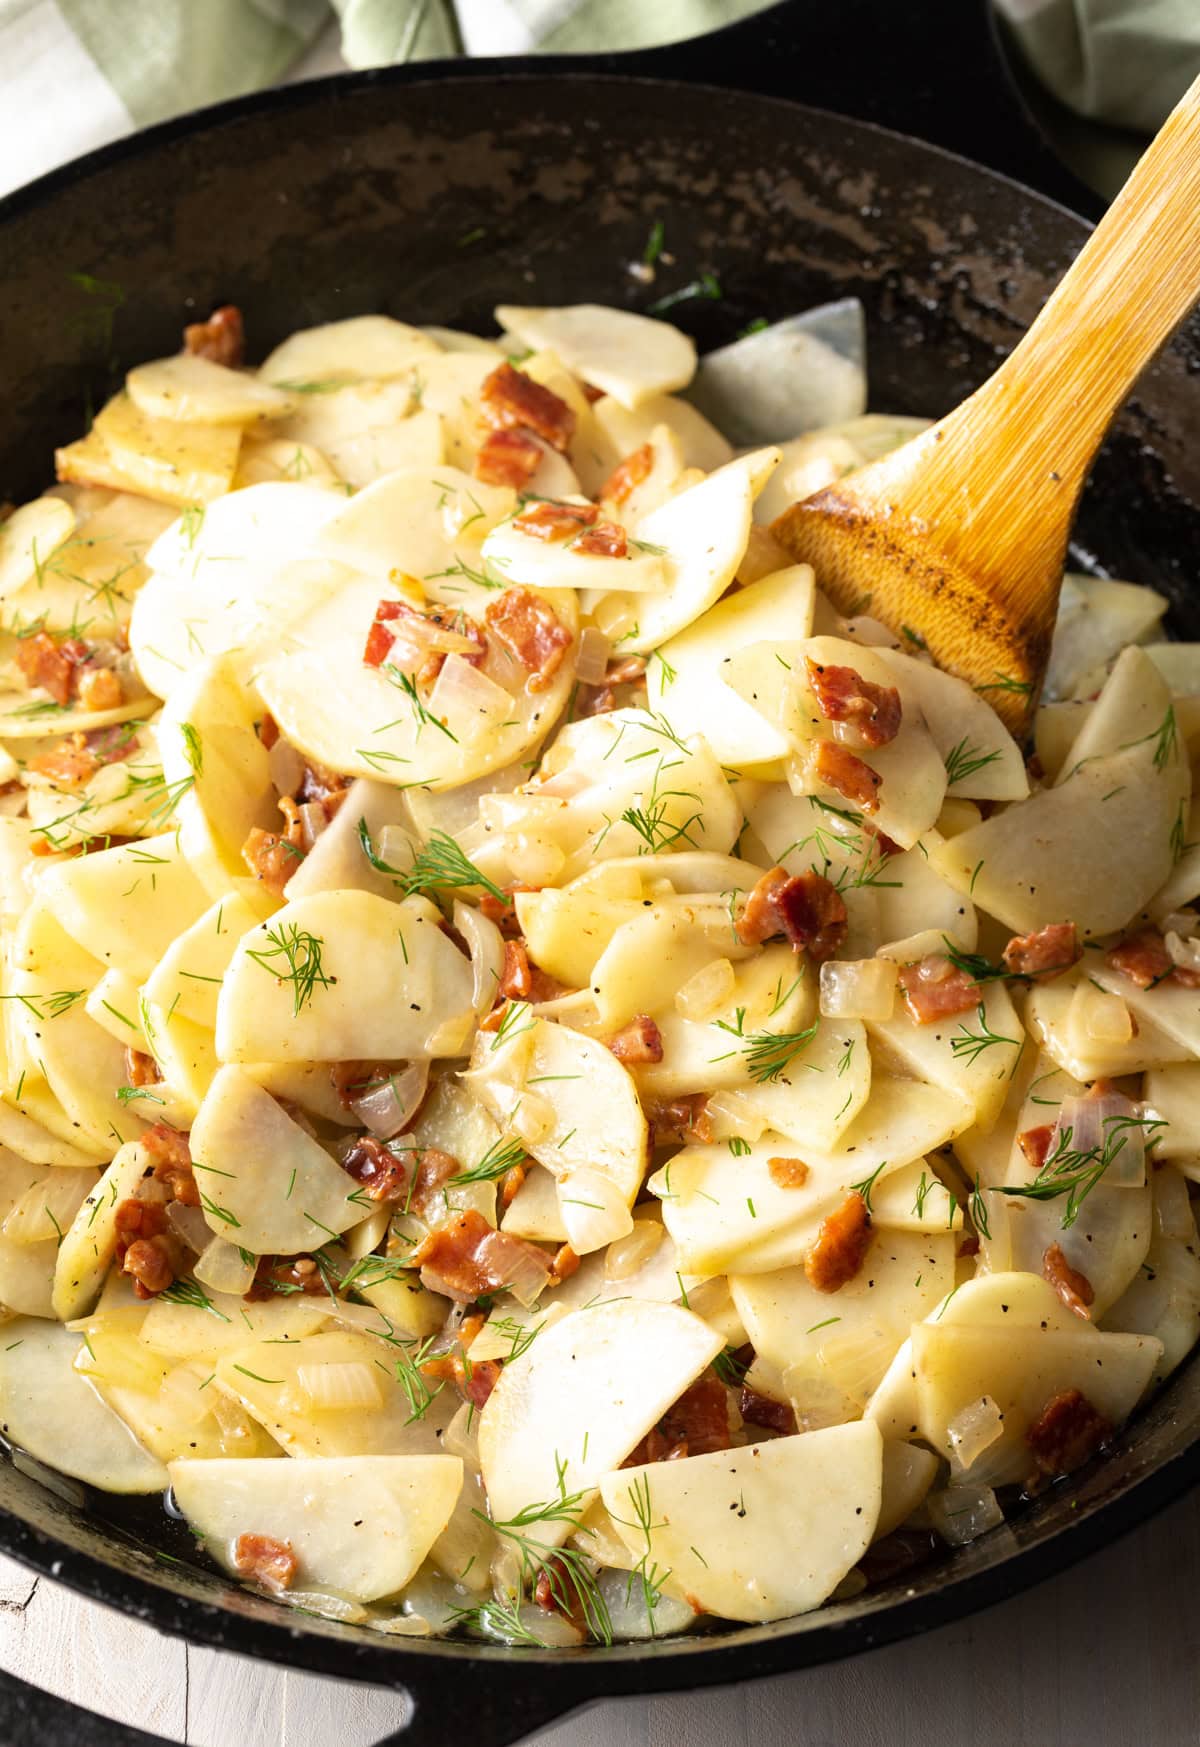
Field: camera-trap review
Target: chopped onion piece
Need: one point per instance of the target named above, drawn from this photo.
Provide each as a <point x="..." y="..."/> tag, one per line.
<point x="461" y="1437"/>
<point x="334" y="1386"/>
<point x="389" y="1107"/>
<point x="1102" y="1017"/>
<point x="543" y="814"/>
<point x="533" y="861"/>
<point x="285" y="767"/>
<point x="963" y="1513"/>
<point x="626" y="1598"/>
<point x="532" y="1118"/>
<point x="485" y="943"/>
<point x="184" y="1393"/>
<point x="856" y="1362"/>
<point x="313" y="820"/>
<point x="223" y="1268"/>
<point x="1184" y="922"/>
<point x="733" y="1116"/>
<point x="630" y="1253"/>
<point x="594" y="1212"/>
<point x="452" y="1036"/>
<point x="974" y="1429"/>
<point x="1103" y="1125"/>
<point x="467" y="701"/>
<point x="816" y="1398"/>
<point x="45" y="1210"/>
<point x="710" y="989"/>
<point x="1185" y="952"/>
<point x="591" y="663"/>
<point x="190" y="1224"/>
<point x="331" y="1607"/>
<point x="858" y="988"/>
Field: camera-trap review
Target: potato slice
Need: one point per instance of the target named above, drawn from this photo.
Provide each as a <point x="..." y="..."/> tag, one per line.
<point x="164" y="458"/>
<point x="627" y="355"/>
<point x="527" y="558"/>
<point x="971" y="1054"/>
<point x="48" y="1409"/>
<point x="422" y="522"/>
<point x="267" y="1184"/>
<point x="577" y="1401"/>
<point x="908" y="1473"/>
<point x="337" y="861"/>
<point x="704" y="532"/>
<point x="359" y="1525"/>
<point x="915" y="1199"/>
<point x="326" y="982"/>
<point x="275" y="461"/>
<point x="1173" y="1094"/>
<point x="31" y="536"/>
<point x="87" y="1251"/>
<point x="368" y="431"/>
<point x="200" y="392"/>
<point x="356" y="350"/>
<point x="186" y="981"/>
<point x="685" y="679"/>
<point x="612" y="432"/>
<point x="651" y="956"/>
<point x="355" y="719"/>
<point x="983" y="761"/>
<point x="220" y="1322"/>
<point x="759" y="1533"/>
<point x="821" y="1091"/>
<point x="1097" y="618"/>
<point x="126" y="905"/>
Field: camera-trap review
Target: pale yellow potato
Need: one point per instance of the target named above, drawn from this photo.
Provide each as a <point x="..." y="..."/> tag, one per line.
<point x="968" y="1054"/>
<point x="52" y="1412"/>
<point x="361" y="1525"/>
<point x="198" y="391"/>
<point x="31" y="536"/>
<point x="166" y="459"/>
<point x="337" y="862"/>
<point x="187" y="1058"/>
<point x="422" y="522"/>
<point x="355" y="350"/>
<point x="1172" y="1094"/>
<point x="1163" y="1299"/>
<point x="910" y="895"/>
<point x="758" y="1533"/>
<point x="527" y="558"/>
<point x="965" y="730"/>
<point x="631" y="357"/>
<point x="615" y="432"/>
<point x="37" y="1204"/>
<point x="534" y="1212"/>
<point x="186" y="980"/>
<point x="578" y="1400"/>
<point x="86" y="1252"/>
<point x="650" y="957"/>
<point x="344" y="976"/>
<point x="1097" y="618"/>
<point x="915" y="1199"/>
<point x="1053" y="1017"/>
<point x="1130" y="708"/>
<point x="368" y="432"/>
<point x="908" y="1473"/>
<point x="185" y="1331"/>
<point x="821" y="1091"/>
<point x="267" y="1184"/>
<point x="274" y="460"/>
<point x="685" y="679"/>
<point x="820" y="457"/>
<point x="127" y="905"/>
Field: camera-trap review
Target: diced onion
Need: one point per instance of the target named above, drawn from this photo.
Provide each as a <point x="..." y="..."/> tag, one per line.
<point x="1099" y="1124"/>
<point x="858" y="988"/>
<point x="630" y="1253"/>
<point x="591" y="661"/>
<point x="856" y="1362"/>
<point x="313" y="821"/>
<point x="45" y="1210"/>
<point x="336" y="1385"/>
<point x="963" y="1513"/>
<point x="285" y="767"/>
<point x="594" y="1212"/>
<point x="461" y="1437"/>
<point x="532" y="860"/>
<point x="564" y="785"/>
<point x="331" y="1607"/>
<point x="733" y="1116"/>
<point x="190" y="1224"/>
<point x="223" y="1268"/>
<point x="452" y="1035"/>
<point x="467" y="701"/>
<point x="816" y="1398"/>
<point x="185" y="1395"/>
<point x="389" y="1107"/>
<point x="1172" y="1205"/>
<point x="708" y="990"/>
<point x="624" y="1594"/>
<point x="1184" y="922"/>
<point x="532" y="1118"/>
<point x="1183" y="951"/>
<point x="485" y="943"/>
<point x="972" y="1430"/>
<point x="239" y="1433"/>
<point x="1101" y="1016"/>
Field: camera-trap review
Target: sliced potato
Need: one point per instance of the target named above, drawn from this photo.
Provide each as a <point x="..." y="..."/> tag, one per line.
<point x="983" y="761"/>
<point x="971" y="1055"/>
<point x="629" y="356"/>
<point x="820" y="1092"/>
<point x="361" y="348"/>
<point x="577" y="1401"/>
<point x="1096" y="620"/>
<point x="187" y="977"/>
<point x="125" y="906"/>
<point x="197" y="391"/>
<point x="86" y="1252"/>
<point x="164" y="458"/>
<point x="758" y="1533"/>
<point x="31" y="536"/>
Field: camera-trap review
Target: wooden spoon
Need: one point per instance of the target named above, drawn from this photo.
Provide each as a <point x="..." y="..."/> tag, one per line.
<point x="962" y="533"/>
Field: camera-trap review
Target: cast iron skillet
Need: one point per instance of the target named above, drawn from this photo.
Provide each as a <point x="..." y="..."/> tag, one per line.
<point x="434" y="193"/>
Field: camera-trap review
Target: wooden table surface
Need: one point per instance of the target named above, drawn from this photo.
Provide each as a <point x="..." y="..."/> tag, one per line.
<point x="1106" y="1655"/>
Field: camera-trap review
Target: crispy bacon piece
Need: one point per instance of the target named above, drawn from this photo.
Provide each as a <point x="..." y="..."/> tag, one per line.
<point x="510" y="1186"/>
<point x="933" y="988"/>
<point x="1035" y="1144"/>
<point x="268" y="730"/>
<point x="843" y="695"/>
<point x="1066" y="1433"/>
<point x="1142" y="957"/>
<point x="381" y="638"/>
<point x="556" y="1593"/>
<point x="141" y="1069"/>
<point x="328" y="788"/>
<point x="464" y="1257"/>
<point x="286" y="1274"/>
<point x="760" y="1410"/>
<point x="841" y="1246"/>
<point x="603" y="540"/>
<point x="150" y="1263"/>
<point x="639" y="1041"/>
<point x="68" y="765"/>
<point x="598" y="700"/>
<point x="100" y="688"/>
<point x="221" y="339"/>
<point x="627" y="475"/>
<point x="146" y="1249"/>
<point x="516" y="979"/>
<point x="805" y="907"/>
<point x="677" y="1120"/>
<point x="1045" y="953"/>
<point x="265" y="1560"/>
<point x="383" y="1175"/>
<point x="565" y="1263"/>
<point x="842" y="770"/>
<point x="51" y="663"/>
<point x="693" y="1426"/>
<point x="135" y="1219"/>
<point x="1074" y="1288"/>
<point x="788" y="1173"/>
<point x="546" y="520"/>
<point x="167" y="1146"/>
<point x="509" y="399"/>
<point x="969" y="1246"/>
<point x="507" y="458"/>
<point x="503" y="912"/>
<point x="272" y="858"/>
<point x="531" y="631"/>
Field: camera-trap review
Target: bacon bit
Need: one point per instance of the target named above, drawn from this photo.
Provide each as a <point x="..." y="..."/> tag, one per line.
<point x="146" y="1249"/>
<point x="516" y="979"/>
<point x="269" y="1562"/>
<point x="350" y="1079"/>
<point x="604" y="540"/>
<point x="272" y="858"/>
<point x="135" y="1219"/>
<point x="654" y="1447"/>
<point x="151" y="1264"/>
<point x="933" y="988"/>
<point x="760" y="1410"/>
<point x="627" y="475"/>
<point x="221" y="339"/>
<point x="141" y="1069"/>
<point x="327" y="788"/>
<point x="507" y="458"/>
<point x="167" y="1146"/>
<point x="841" y="1246"/>
<point x="1066" y="1433"/>
<point x="532" y="633"/>
<point x="639" y="1041"/>
<point x="51" y="663"/>
<point x="1035" y="1144"/>
<point x="503" y="912"/>
<point x="679" y="1119"/>
<point x="969" y="1246"/>
<point x="268" y="730"/>
<point x="275" y="1274"/>
<point x="384" y="1176"/>
<point x="626" y="671"/>
<point x="1045" y="953"/>
<point x="565" y="1263"/>
<point x="700" y="1418"/>
<point x="510" y="1186"/>
<point x="844" y="772"/>
<point x="465" y="1257"/>
<point x="100" y="688"/>
<point x="381" y="640"/>
<point x="1143" y="958"/>
<point x="1074" y="1288"/>
<point x="556" y="1593"/>
<point x="788" y="1173"/>
<point x="545" y="520"/>
<point x="805" y="907"/>
<point x="843" y="695"/>
<point x="68" y="765"/>
<point x="509" y="399"/>
<point x="477" y="1380"/>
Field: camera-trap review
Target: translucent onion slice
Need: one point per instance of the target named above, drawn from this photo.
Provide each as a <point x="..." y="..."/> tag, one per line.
<point x="485" y="943"/>
<point x="594" y="1211"/>
<point x="972" y="1431"/>
<point x="710" y="989"/>
<point x="1104" y="1126"/>
<point x="223" y="1268"/>
<point x="963" y="1513"/>
<point x="338" y="1386"/>
<point x="190" y="1224"/>
<point x="469" y="703"/>
<point x="591" y="664"/>
<point x="628" y="1254"/>
<point x="858" y="988"/>
<point x="389" y="1107"/>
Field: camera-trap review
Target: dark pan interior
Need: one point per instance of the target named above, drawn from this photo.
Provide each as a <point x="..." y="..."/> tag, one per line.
<point x="433" y="201"/>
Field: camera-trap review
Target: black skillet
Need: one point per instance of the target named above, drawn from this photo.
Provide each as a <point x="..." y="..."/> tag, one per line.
<point x="435" y="192"/>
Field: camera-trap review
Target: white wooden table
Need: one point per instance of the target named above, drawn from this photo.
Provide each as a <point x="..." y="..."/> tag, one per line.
<point x="1106" y="1655"/>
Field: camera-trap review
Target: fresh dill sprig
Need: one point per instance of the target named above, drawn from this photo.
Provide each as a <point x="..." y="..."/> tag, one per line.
<point x="970" y="1045"/>
<point x="499" y="1159"/>
<point x="646" y="1572"/>
<point x="515" y="1019"/>
<point x="499" y="1617"/>
<point x="408" y="685"/>
<point x="294" y="956"/>
<point x="729" y="1368"/>
<point x="572" y="1583"/>
<point x="412" y="1379"/>
<point x="767" y="1053"/>
<point x="707" y="285"/>
<point x="1075" y="1172"/>
<point x="866" y="1186"/>
<point x="190" y="1292"/>
<point x="52" y="1006"/>
<point x="193" y="750"/>
<point x="963" y="760"/>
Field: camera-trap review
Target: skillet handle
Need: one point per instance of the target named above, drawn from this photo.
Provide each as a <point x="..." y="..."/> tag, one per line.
<point x="472" y="1707"/>
<point x="935" y="70"/>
